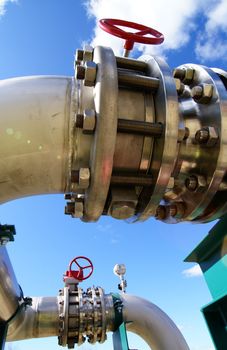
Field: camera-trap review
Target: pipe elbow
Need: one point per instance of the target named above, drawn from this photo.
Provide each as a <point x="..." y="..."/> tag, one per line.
<point x="152" y="324"/>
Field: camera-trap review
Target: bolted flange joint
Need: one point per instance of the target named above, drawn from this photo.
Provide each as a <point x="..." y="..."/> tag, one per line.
<point x="84" y="315"/>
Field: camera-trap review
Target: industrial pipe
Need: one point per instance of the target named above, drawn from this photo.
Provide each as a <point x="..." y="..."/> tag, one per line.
<point x="152" y="324"/>
<point x="35" y="147"/>
<point x="39" y="320"/>
<point x="10" y="291"/>
<point x="76" y="315"/>
<point x="127" y="138"/>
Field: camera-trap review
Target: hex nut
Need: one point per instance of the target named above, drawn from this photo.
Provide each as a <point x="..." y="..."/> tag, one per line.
<point x="69" y="208"/>
<point x="88" y="53"/>
<point x="79" y="120"/>
<point x="202" y="136"/>
<point x="197" y="92"/>
<point x="179" y="73"/>
<point x="189" y="76"/>
<point x="122" y="210"/>
<point x="84" y="178"/>
<point x="161" y="212"/>
<point x="213" y="136"/>
<point x="196" y="183"/>
<point x="80" y="72"/>
<point x="68" y="196"/>
<point x="177" y="210"/>
<point x="74" y="176"/>
<point x="89" y="121"/>
<point x="202" y="93"/>
<point x="90" y="73"/>
<point x="186" y="75"/>
<point x="79" y="56"/>
<point x="207" y="136"/>
<point x="202" y="183"/>
<point x="78" y="210"/>
<point x="179" y="86"/>
<point x="191" y="183"/>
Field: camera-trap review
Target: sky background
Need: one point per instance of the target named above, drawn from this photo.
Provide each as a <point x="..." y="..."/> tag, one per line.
<point x="40" y="37"/>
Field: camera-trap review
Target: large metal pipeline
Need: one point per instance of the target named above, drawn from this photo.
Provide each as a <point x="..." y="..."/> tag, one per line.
<point x="89" y="315"/>
<point x="76" y="315"/>
<point x="39" y="320"/>
<point x="127" y="138"/>
<point x="152" y="324"/>
<point x="35" y="121"/>
<point x="10" y="292"/>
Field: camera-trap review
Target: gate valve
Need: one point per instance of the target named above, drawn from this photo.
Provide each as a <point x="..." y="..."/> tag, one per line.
<point x="110" y="26"/>
<point x="76" y="276"/>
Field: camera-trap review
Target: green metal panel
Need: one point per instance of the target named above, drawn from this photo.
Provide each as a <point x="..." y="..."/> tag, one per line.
<point x="216" y="318"/>
<point x="216" y="278"/>
<point x="211" y="254"/>
<point x="120" y="340"/>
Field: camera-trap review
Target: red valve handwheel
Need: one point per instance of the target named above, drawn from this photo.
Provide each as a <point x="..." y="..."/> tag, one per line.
<point x="110" y="26"/>
<point x="79" y="274"/>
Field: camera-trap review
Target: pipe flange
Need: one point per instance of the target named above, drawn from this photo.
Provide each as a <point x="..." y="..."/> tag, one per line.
<point x="199" y="201"/>
<point x="101" y="157"/>
<point x="165" y="148"/>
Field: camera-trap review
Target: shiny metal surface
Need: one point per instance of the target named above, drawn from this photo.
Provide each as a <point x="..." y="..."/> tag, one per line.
<point x="36" y="321"/>
<point x="215" y="168"/>
<point x="85" y="315"/>
<point x="10" y="292"/>
<point x="165" y="149"/>
<point x="34" y="123"/>
<point x="152" y="324"/>
<point x="101" y="157"/>
<point x="120" y="119"/>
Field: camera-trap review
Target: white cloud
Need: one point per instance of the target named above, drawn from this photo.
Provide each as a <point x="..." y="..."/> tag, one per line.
<point x="177" y="20"/>
<point x="212" y="44"/>
<point x="193" y="271"/>
<point x="3" y="4"/>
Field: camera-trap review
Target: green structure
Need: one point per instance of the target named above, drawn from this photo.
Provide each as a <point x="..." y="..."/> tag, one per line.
<point x="211" y="255"/>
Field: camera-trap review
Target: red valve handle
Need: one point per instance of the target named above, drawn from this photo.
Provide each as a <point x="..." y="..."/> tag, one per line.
<point x="79" y="274"/>
<point x="109" y="25"/>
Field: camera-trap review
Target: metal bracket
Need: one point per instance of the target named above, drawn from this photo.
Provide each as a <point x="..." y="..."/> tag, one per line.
<point x="3" y="333"/>
<point x="120" y="339"/>
<point x="7" y="233"/>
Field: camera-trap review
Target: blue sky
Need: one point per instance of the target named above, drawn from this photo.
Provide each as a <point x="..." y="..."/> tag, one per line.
<point x="40" y="37"/>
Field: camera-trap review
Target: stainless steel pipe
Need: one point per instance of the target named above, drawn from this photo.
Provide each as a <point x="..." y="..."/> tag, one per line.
<point x="152" y="324"/>
<point x="35" y="117"/>
<point x="90" y="319"/>
<point x="173" y="131"/>
<point x="38" y="321"/>
<point x="10" y="292"/>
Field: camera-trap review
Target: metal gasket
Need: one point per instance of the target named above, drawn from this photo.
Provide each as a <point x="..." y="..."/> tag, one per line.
<point x="102" y="150"/>
<point x="165" y="148"/>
